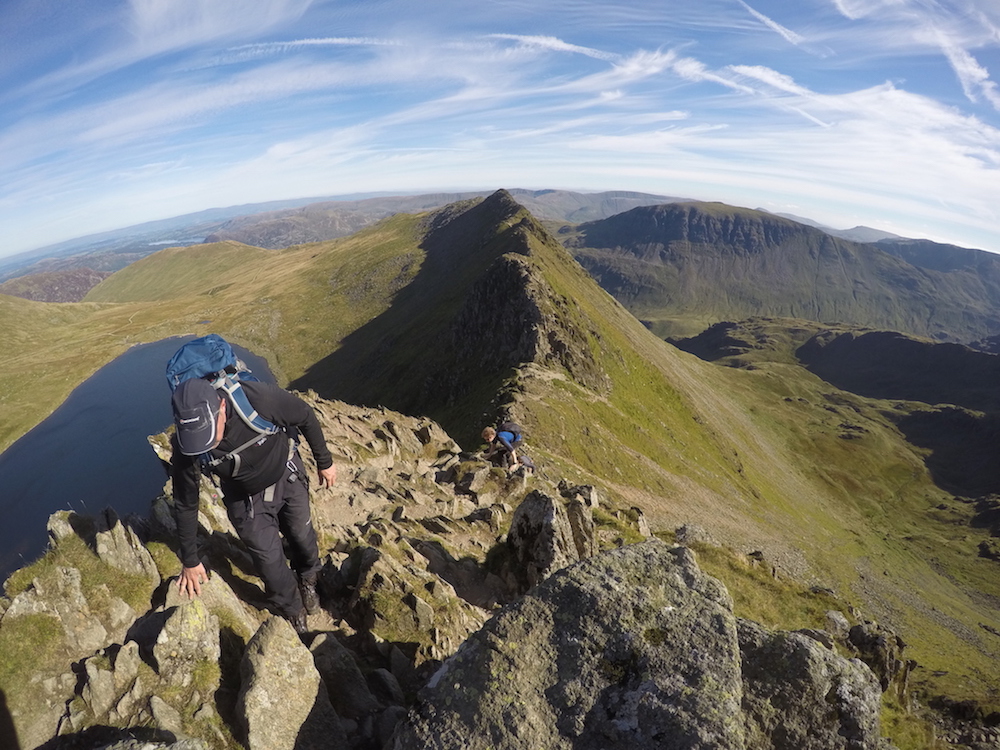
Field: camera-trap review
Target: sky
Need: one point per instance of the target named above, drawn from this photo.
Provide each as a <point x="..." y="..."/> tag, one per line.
<point x="882" y="113"/>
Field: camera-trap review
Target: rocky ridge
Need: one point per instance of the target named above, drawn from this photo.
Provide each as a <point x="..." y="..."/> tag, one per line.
<point x="443" y="579"/>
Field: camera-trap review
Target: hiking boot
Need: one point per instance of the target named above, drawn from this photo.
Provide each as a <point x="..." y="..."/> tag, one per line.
<point x="310" y="599"/>
<point x="299" y="623"/>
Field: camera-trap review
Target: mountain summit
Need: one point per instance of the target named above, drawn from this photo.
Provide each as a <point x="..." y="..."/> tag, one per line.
<point x="476" y="307"/>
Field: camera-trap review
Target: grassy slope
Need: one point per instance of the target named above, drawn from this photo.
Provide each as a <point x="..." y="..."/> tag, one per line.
<point x="755" y="456"/>
<point x="49" y="349"/>
<point x="776" y="458"/>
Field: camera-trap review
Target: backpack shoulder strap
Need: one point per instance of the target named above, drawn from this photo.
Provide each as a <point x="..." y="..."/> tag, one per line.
<point x="238" y="397"/>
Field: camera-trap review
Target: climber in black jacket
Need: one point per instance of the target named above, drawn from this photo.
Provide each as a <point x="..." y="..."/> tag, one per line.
<point x="264" y="487"/>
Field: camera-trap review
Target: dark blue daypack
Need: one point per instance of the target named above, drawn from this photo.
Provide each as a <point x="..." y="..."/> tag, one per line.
<point x="212" y="358"/>
<point x="514" y="429"/>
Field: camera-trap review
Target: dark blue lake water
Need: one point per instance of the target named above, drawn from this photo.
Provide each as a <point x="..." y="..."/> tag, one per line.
<point x="91" y="453"/>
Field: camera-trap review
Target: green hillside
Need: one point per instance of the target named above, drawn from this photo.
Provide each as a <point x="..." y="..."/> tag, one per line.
<point x="773" y="458"/>
<point x="50" y="348"/>
<point x="475" y="310"/>
<point x="179" y="272"/>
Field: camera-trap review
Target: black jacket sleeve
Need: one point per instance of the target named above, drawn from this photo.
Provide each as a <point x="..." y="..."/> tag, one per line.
<point x="186" y="476"/>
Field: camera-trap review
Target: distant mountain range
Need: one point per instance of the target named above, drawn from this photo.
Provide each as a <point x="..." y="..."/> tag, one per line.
<point x="66" y="285"/>
<point x="678" y="265"/>
<point x="683" y="266"/>
<point x="279" y="224"/>
<point x="109" y="251"/>
<point x="855" y="234"/>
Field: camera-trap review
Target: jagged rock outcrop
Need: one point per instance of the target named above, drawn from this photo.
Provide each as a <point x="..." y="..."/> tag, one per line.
<point x="167" y="667"/>
<point x="112" y="540"/>
<point x="536" y="325"/>
<point x="160" y="660"/>
<point x="62" y="599"/>
<point x="428" y="552"/>
<point x="638" y="648"/>
<point x="541" y="540"/>
<point x="880" y="648"/>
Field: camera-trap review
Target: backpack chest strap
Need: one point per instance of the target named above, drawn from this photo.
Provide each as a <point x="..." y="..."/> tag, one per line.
<point x="235" y="452"/>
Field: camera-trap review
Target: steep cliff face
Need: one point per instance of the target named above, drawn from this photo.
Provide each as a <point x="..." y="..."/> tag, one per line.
<point x="513" y="318"/>
<point x="654" y="231"/>
<point x="710" y="262"/>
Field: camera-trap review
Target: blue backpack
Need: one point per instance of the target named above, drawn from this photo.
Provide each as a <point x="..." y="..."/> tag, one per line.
<point x="213" y="359"/>
<point x="513" y="429"/>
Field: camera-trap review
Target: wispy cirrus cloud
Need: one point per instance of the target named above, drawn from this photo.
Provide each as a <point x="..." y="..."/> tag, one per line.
<point x="787" y="34"/>
<point x="770" y="77"/>
<point x="159" y="25"/>
<point x="696" y="71"/>
<point x="867" y="111"/>
<point x="132" y="33"/>
<point x="974" y="78"/>
<point x="953" y="28"/>
<point x="557" y="45"/>
<point x="244" y="53"/>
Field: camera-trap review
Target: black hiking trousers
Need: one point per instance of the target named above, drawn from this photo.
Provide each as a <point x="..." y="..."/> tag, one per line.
<point x="262" y="519"/>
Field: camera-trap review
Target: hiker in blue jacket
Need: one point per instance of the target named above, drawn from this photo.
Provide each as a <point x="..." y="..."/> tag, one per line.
<point x="503" y="443"/>
<point x="264" y="487"/>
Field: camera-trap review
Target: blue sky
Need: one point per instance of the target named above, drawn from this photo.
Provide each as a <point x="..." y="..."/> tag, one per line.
<point x="884" y="113"/>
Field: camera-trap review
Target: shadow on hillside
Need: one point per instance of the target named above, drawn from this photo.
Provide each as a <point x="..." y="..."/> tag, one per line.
<point x="888" y="365"/>
<point x="963" y="448"/>
<point x="224" y="555"/>
<point x="228" y="558"/>
<point x="412" y="358"/>
<point x="320" y="726"/>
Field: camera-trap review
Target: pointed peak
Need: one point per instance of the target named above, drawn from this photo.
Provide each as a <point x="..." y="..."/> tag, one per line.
<point x="502" y="198"/>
